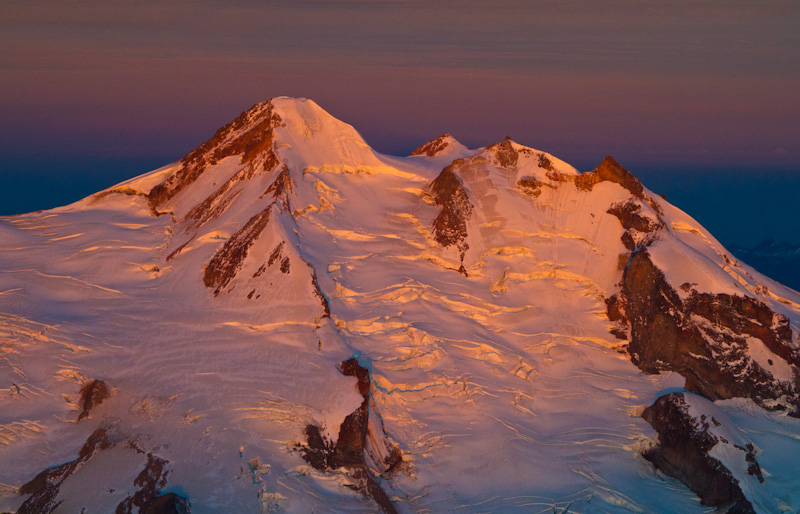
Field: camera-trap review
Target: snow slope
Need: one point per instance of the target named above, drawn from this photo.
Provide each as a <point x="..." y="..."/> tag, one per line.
<point x="219" y="311"/>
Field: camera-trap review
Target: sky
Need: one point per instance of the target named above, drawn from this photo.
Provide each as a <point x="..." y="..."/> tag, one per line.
<point x="699" y="99"/>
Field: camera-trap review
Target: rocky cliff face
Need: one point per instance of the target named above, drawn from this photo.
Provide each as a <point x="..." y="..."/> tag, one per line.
<point x="249" y="136"/>
<point x="450" y="226"/>
<point x="229" y="259"/>
<point x="362" y="447"/>
<point x="690" y="445"/>
<point x="725" y="346"/>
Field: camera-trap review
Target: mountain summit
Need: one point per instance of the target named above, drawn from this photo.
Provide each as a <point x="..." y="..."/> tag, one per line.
<point x="286" y="320"/>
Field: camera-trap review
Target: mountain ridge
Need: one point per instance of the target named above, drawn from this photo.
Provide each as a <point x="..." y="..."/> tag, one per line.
<point x="324" y="322"/>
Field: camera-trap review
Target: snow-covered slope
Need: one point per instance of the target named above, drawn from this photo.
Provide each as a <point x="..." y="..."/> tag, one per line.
<point x="289" y="321"/>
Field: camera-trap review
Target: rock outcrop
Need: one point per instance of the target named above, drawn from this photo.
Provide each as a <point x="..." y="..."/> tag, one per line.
<point x="725" y="346"/>
<point x="249" y="135"/>
<point x="229" y="259"/>
<point x="150" y="481"/>
<point x="281" y="188"/>
<point x="93" y="393"/>
<point x="715" y="341"/>
<point x="450" y="226"/>
<point x="690" y="446"/>
<point x="362" y="446"/>
<point x="532" y="187"/>
<point x="44" y="488"/>
<point x="504" y="153"/>
<point x="145" y="493"/>
<point x="435" y="147"/>
<point x="611" y="171"/>
<point x="169" y="503"/>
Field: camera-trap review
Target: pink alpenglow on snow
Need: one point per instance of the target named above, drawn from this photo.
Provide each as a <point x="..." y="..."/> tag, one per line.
<point x="287" y="320"/>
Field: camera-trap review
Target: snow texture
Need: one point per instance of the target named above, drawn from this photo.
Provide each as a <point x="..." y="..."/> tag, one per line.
<point x="502" y="385"/>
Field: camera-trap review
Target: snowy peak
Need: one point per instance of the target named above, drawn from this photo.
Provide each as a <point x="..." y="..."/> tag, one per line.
<point x="500" y="170"/>
<point x="294" y="132"/>
<point x="444" y="144"/>
<point x="310" y="139"/>
<point x="611" y="171"/>
<point x="527" y="161"/>
<point x="321" y="323"/>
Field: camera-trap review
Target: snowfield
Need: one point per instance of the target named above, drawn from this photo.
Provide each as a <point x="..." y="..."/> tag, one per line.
<point x="219" y="315"/>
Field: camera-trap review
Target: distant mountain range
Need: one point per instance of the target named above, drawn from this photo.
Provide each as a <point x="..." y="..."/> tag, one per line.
<point x="286" y="320"/>
<point x="777" y="260"/>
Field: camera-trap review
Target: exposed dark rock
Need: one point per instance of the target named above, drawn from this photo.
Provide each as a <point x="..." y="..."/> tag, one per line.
<point x="434" y="147"/>
<point x="629" y="214"/>
<point x="127" y="191"/>
<point x="318" y="451"/>
<point x="180" y="249"/>
<point x="586" y="180"/>
<point x="545" y="163"/>
<point x="640" y="230"/>
<point x="351" y="368"/>
<point x="282" y="187"/>
<point x="215" y="204"/>
<point x="276" y="254"/>
<point x="349" y="449"/>
<point x="450" y="226"/>
<point x="92" y="394"/>
<point x="150" y="481"/>
<point x="505" y="153"/>
<point x="366" y="484"/>
<point x="704" y="337"/>
<point x="169" y="503"/>
<point x="44" y="488"/>
<point x="615" y="310"/>
<point x="354" y="448"/>
<point x="250" y="134"/>
<point x="532" y="187"/>
<point x="229" y="259"/>
<point x="326" y="308"/>
<point x="556" y="176"/>
<point x="684" y="443"/>
<point x="611" y="171"/>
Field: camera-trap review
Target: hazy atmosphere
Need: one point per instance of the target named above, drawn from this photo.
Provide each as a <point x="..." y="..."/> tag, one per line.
<point x="699" y="99"/>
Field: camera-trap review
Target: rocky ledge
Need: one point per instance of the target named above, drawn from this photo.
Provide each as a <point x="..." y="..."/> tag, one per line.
<point x="435" y="146"/>
<point x="145" y="495"/>
<point x="362" y="448"/>
<point x="725" y="346"/>
<point x="697" y="446"/>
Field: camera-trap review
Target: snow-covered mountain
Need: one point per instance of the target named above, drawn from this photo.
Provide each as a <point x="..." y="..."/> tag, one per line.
<point x="289" y="321"/>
